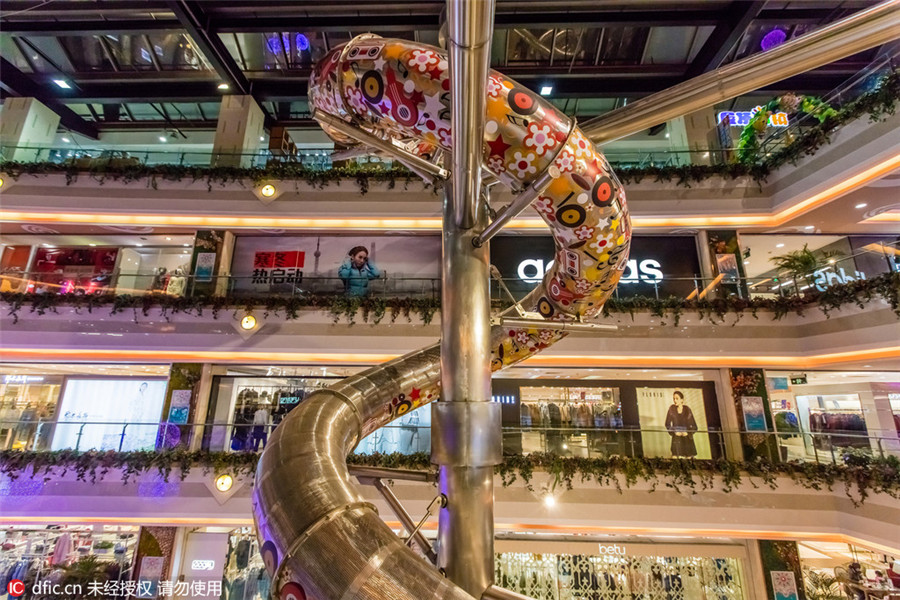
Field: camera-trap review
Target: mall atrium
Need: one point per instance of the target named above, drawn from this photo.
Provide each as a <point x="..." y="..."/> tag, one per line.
<point x="463" y="299"/>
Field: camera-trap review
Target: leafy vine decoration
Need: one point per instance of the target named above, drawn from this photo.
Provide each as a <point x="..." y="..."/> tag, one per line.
<point x="861" y="474"/>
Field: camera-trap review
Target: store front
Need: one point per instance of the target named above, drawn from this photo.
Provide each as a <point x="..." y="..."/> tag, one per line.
<point x="817" y="413"/>
<point x="292" y="264"/>
<point x="95" y="264"/>
<point x="658" y="266"/>
<point x="597" y="414"/>
<point x="67" y="554"/>
<point x="815" y="261"/>
<point x="622" y="568"/>
<point x="80" y="406"/>
<point x="27" y="405"/>
<point x="833" y="569"/>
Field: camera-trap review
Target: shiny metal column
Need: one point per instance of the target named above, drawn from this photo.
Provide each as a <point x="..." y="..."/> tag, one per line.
<point x="860" y="31"/>
<point x="465" y="423"/>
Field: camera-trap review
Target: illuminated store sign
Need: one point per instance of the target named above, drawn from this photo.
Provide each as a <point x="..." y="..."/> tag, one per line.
<point x="658" y="265"/>
<point x="742" y="118"/>
<point x="826" y="278"/>
<point x="203" y="565"/>
<point x="22" y="379"/>
<point x="647" y="271"/>
<point x="612" y="549"/>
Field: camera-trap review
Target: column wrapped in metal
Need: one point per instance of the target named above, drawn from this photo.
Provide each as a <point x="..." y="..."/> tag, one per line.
<point x="318" y="537"/>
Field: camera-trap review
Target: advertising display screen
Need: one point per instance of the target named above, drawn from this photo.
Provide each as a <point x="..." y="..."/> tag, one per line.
<point x="667" y="429"/>
<point x="663" y="265"/>
<point x="94" y="412"/>
<point x="324" y="263"/>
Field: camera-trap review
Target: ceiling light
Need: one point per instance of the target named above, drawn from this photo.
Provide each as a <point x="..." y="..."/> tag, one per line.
<point x="63" y="84"/>
<point x="546" y="90"/>
<point x="779" y="245"/>
<point x="267" y="190"/>
<point x="549" y="501"/>
<point x="168" y="239"/>
<point x="810" y="227"/>
<point x="248" y="322"/>
<point x="186" y="245"/>
<point x="222" y="86"/>
<point x="224" y="482"/>
<point x="163" y="139"/>
<point x="1" y="182"/>
<point x="92" y="245"/>
<point x="667" y="135"/>
<point x="861" y="205"/>
<point x="66" y="140"/>
<point x="139" y="245"/>
<point x="262" y="138"/>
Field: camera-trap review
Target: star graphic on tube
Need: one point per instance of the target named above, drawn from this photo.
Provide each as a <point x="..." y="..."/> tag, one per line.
<point x="499" y="147"/>
<point x="415" y="394"/>
<point x="433" y="105"/>
<point x="379" y="64"/>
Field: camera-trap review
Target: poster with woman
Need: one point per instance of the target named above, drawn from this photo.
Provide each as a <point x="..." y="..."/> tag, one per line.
<point x="673" y="422"/>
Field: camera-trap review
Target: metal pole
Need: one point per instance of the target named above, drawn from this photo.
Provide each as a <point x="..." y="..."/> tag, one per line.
<point x="466" y="434"/>
<point x="860" y="31"/>
<point x="405" y="519"/>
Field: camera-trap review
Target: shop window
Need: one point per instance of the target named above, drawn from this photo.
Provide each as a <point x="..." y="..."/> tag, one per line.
<point x="109" y="414"/>
<point x="27" y="409"/>
<point x="52" y="553"/>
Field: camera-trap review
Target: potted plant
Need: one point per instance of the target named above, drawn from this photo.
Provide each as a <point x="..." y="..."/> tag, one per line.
<point x="801" y="265"/>
<point x="821" y="586"/>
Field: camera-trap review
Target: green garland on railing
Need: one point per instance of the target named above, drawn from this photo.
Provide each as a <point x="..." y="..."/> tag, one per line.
<point x="877" y="104"/>
<point x="860" y="473"/>
<point x="855" y="293"/>
<point x="374" y="309"/>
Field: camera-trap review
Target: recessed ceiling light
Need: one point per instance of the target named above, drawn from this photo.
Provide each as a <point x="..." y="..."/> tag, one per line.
<point x="163" y="139"/>
<point x="267" y="190"/>
<point x="138" y="245"/>
<point x="66" y="140"/>
<point x="186" y="245"/>
<point x="92" y="245"/>
<point x="63" y="84"/>
<point x="168" y="239"/>
<point x="779" y="245"/>
<point x="861" y="205"/>
<point x="546" y="90"/>
<point x="222" y="86"/>
<point x="810" y="227"/>
<point x="667" y="135"/>
<point x="262" y="138"/>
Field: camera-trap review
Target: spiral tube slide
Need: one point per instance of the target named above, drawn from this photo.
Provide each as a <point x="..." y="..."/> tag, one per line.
<point x="319" y="538"/>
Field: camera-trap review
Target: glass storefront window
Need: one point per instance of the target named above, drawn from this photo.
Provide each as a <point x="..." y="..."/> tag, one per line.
<point x="244" y="410"/>
<point x="569" y="577"/>
<point x="49" y="554"/>
<point x="27" y="406"/>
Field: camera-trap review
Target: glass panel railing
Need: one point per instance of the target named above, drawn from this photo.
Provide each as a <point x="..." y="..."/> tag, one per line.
<point x="586" y="442"/>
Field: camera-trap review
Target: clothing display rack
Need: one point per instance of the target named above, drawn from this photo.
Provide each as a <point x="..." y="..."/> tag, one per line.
<point x="838" y="427"/>
<point x="245" y="574"/>
<point x="597" y="408"/>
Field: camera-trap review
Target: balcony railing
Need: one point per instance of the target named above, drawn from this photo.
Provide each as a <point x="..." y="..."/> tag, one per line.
<point x="87" y="159"/>
<point x="585" y="442"/>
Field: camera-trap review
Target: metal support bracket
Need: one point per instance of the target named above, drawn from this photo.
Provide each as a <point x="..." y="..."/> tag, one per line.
<point x="495" y="274"/>
<point x="406" y="520"/>
<point x="418" y="165"/>
<point x="519" y="203"/>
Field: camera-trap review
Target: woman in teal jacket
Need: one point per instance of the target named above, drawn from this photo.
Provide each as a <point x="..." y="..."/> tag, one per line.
<point x="357" y="270"/>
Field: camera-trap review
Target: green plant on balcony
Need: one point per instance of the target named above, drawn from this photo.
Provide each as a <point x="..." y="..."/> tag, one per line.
<point x="802" y="264"/>
<point x="821" y="586"/>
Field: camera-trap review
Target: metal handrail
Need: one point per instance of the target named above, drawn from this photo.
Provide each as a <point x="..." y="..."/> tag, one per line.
<point x="818" y="446"/>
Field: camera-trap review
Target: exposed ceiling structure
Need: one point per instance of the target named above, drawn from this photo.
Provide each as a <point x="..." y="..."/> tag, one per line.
<point x="137" y="63"/>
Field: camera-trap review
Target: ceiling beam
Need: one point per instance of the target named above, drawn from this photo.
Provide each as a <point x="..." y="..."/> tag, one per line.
<point x="194" y="20"/>
<point x="89" y="27"/>
<point x="15" y="82"/>
<point x="725" y="36"/>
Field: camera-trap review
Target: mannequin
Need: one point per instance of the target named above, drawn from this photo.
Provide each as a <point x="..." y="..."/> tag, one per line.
<point x="177" y="283"/>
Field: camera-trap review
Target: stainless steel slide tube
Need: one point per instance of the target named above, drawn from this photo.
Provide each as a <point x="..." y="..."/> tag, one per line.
<point x="860" y="31"/>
